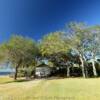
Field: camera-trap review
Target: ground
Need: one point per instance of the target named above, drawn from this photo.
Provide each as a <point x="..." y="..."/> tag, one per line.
<point x="50" y="89"/>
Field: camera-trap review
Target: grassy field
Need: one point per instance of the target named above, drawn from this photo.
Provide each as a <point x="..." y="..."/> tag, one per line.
<point x="56" y="89"/>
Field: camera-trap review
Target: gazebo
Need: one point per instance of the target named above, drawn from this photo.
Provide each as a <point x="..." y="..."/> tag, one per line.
<point x="42" y="70"/>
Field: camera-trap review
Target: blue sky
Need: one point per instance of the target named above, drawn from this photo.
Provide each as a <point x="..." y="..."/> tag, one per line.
<point x="34" y="18"/>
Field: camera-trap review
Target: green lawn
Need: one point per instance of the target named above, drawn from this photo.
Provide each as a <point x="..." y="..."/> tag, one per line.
<point x="57" y="89"/>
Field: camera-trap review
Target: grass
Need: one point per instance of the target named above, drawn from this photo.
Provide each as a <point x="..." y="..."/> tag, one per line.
<point x="5" y="79"/>
<point x="57" y="89"/>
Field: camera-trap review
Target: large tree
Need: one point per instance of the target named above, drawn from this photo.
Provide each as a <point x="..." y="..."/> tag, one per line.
<point x="53" y="46"/>
<point x="19" y="50"/>
<point x="79" y="34"/>
<point x="94" y="45"/>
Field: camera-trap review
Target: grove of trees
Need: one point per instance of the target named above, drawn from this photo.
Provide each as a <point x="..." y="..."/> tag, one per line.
<point x="78" y="44"/>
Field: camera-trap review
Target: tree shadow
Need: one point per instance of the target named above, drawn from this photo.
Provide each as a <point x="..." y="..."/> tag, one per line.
<point x="16" y="81"/>
<point x="53" y="78"/>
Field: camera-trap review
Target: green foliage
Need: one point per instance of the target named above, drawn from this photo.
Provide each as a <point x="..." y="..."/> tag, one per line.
<point x="24" y="52"/>
<point x="20" y="51"/>
<point x="19" y="48"/>
<point x="53" y="43"/>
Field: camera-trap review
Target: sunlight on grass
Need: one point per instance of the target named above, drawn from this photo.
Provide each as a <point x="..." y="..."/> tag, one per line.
<point x="57" y="89"/>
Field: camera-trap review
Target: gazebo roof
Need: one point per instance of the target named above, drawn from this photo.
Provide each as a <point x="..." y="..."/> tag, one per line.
<point x="43" y="65"/>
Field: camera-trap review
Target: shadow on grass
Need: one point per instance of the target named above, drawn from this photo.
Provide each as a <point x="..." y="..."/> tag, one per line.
<point x="59" y="77"/>
<point x="16" y="81"/>
<point x="48" y="78"/>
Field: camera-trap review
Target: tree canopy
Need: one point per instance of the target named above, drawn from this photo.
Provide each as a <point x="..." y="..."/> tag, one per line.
<point x="76" y="43"/>
<point x="19" y="51"/>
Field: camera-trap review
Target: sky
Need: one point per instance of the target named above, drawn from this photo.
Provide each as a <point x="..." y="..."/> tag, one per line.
<point x="35" y="18"/>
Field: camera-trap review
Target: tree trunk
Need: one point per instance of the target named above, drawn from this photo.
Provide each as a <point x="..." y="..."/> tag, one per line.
<point x="27" y="73"/>
<point x="94" y="68"/>
<point x="86" y="71"/>
<point x="68" y="71"/>
<point x="16" y="70"/>
<point x="86" y="68"/>
<point x="93" y="65"/>
<point x="82" y="65"/>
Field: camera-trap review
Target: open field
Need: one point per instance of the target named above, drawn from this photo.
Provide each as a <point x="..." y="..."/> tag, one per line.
<point x="56" y="89"/>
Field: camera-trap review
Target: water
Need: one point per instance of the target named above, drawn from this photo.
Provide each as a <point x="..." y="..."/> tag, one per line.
<point x="6" y="71"/>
